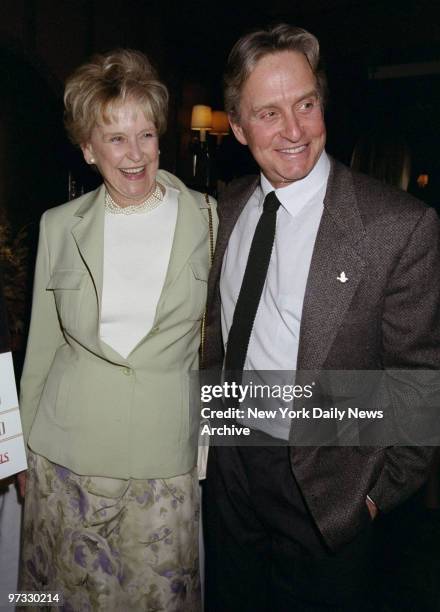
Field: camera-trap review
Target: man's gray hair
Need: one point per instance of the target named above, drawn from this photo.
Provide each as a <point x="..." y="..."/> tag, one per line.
<point x="249" y="49"/>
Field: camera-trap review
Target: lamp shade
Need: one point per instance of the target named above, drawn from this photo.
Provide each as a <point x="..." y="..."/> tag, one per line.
<point x="220" y="123"/>
<point x="201" y="117"/>
<point x="423" y="180"/>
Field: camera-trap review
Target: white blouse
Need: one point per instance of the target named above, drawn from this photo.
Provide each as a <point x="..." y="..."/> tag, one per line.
<point x="137" y="250"/>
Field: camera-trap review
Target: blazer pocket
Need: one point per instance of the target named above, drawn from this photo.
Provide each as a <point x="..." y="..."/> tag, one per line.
<point x="66" y="279"/>
<point x="199" y="289"/>
<point x="66" y="286"/>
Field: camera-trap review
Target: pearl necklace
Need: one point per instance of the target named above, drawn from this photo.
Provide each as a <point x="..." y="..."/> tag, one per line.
<point x="151" y="202"/>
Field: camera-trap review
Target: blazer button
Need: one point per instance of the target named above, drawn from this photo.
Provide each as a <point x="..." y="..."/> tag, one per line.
<point x="127" y="371"/>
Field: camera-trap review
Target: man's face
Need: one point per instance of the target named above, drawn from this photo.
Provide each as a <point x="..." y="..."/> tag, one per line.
<point x="281" y="117"/>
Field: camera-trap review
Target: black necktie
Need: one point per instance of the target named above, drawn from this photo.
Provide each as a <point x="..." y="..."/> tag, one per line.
<point x="252" y="285"/>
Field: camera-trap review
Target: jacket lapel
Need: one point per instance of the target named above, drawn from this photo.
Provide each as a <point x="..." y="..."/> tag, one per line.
<point x="191" y="230"/>
<point x="230" y="207"/>
<point x="190" y="233"/>
<point x="337" y="265"/>
<point x="88" y="234"/>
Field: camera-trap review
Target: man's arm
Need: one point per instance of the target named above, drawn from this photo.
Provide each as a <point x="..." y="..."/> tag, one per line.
<point x="411" y="340"/>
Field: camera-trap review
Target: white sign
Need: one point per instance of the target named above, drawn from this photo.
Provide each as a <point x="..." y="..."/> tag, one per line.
<point x="12" y="451"/>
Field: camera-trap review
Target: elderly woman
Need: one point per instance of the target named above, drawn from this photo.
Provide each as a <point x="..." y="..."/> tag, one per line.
<point x="111" y="507"/>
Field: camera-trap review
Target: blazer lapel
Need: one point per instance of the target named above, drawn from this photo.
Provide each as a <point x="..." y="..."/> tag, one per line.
<point x="89" y="237"/>
<point x="88" y="234"/>
<point x="190" y="233"/>
<point x="229" y="209"/>
<point x="337" y="265"/>
<point x="191" y="230"/>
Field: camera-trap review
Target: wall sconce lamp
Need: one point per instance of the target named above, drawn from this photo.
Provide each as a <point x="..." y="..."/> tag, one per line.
<point x="201" y="120"/>
<point x="422" y="180"/>
<point x="220" y="125"/>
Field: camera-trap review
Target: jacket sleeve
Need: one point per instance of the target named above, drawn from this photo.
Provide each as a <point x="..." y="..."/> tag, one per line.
<point x="44" y="338"/>
<point x="411" y="340"/>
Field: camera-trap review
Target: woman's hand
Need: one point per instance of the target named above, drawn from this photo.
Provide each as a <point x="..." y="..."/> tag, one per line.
<point x="21" y="482"/>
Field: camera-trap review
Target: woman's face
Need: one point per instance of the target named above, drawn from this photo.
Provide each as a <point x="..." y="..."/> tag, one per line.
<point x="126" y="153"/>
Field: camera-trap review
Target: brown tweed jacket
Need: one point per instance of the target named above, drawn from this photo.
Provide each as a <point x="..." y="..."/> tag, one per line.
<point x="387" y="316"/>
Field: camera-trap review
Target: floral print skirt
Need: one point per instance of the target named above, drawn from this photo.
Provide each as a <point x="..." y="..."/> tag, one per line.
<point x="109" y="544"/>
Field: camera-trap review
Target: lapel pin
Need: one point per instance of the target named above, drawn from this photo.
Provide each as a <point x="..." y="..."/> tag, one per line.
<point x="342" y="278"/>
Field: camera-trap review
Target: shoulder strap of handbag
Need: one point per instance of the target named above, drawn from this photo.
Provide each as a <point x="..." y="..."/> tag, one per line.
<point x="211" y="257"/>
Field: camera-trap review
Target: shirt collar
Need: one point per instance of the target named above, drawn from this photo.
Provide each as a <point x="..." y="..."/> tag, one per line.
<point x="295" y="196"/>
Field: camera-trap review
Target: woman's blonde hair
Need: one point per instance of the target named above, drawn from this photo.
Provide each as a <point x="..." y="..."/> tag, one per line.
<point x="100" y="86"/>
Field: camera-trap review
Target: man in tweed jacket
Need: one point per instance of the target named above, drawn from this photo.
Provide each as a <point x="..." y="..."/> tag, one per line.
<point x="353" y="284"/>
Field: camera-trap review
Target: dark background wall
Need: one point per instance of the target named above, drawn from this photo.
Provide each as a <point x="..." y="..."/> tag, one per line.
<point x="42" y="41"/>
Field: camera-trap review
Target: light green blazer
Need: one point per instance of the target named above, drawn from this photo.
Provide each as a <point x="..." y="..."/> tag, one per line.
<point x="84" y="406"/>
